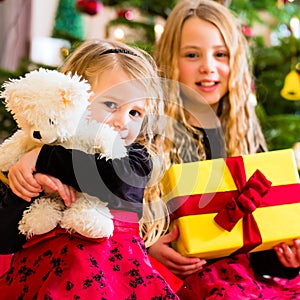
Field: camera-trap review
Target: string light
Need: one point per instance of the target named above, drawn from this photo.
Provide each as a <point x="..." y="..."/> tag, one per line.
<point x="295" y="27"/>
<point x="158" y="29"/>
<point x="119" y="34"/>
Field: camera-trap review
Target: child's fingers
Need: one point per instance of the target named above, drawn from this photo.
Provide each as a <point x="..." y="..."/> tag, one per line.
<point x="21" y="187"/>
<point x="22" y="192"/>
<point x="296" y="250"/>
<point x="66" y="192"/>
<point x="46" y="181"/>
<point x="24" y="179"/>
<point x="52" y="184"/>
<point x="280" y="254"/>
<point x="287" y="256"/>
<point x="72" y="194"/>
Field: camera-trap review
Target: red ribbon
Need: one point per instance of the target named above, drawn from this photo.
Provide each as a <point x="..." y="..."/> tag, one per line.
<point x="240" y="203"/>
<point x="249" y="198"/>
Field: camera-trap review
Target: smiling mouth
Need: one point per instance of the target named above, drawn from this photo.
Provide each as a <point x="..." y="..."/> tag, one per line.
<point x="206" y="83"/>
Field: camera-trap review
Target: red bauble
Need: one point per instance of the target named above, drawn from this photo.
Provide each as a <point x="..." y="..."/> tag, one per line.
<point x="121" y="13"/>
<point x="79" y="5"/>
<point x="90" y="7"/>
<point x="247" y="31"/>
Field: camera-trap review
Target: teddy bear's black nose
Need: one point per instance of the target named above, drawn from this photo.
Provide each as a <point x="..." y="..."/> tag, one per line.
<point x="37" y="135"/>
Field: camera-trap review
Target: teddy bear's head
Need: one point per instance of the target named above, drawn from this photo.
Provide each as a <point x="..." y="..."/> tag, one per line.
<point x="47" y="104"/>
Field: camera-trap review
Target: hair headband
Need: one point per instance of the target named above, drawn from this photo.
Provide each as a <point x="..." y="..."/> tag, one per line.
<point x="118" y="50"/>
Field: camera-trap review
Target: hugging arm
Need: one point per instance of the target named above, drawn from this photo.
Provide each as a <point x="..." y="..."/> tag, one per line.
<point x="111" y="180"/>
<point x="27" y="184"/>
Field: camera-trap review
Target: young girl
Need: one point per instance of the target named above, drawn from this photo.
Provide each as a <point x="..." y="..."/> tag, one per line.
<point x="56" y="265"/>
<point x="208" y="54"/>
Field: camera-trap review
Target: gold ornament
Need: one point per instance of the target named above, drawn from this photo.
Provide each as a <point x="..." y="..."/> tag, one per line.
<point x="291" y="88"/>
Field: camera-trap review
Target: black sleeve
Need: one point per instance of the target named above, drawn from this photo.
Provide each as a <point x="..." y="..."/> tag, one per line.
<point x="120" y="182"/>
<point x="11" y="211"/>
<point x="267" y="263"/>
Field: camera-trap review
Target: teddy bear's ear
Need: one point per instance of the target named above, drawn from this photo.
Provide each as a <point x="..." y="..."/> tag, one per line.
<point x="8" y="90"/>
<point x="41" y="90"/>
<point x="11" y="97"/>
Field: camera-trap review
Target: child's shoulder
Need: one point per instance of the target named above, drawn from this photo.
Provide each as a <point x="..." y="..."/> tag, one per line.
<point x="137" y="147"/>
<point x="139" y="153"/>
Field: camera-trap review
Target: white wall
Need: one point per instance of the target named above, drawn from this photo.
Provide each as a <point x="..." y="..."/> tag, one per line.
<point x="42" y="19"/>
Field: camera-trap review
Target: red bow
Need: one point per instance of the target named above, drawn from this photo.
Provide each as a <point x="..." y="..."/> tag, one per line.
<point x="249" y="199"/>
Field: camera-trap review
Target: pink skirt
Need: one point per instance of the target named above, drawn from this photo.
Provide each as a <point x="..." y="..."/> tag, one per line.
<point x="5" y="263"/>
<point x="233" y="278"/>
<point x="59" y="265"/>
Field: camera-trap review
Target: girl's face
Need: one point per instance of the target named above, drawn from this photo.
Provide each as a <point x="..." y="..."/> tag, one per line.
<point x="119" y="102"/>
<point x="204" y="60"/>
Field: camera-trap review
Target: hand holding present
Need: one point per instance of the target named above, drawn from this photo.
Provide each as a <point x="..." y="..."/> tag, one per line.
<point x="289" y="256"/>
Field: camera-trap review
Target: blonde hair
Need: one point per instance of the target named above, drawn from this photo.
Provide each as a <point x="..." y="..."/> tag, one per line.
<point x="240" y="125"/>
<point x="88" y="60"/>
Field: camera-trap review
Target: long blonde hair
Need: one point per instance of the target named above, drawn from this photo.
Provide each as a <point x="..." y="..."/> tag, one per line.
<point x="240" y="125"/>
<point x="89" y="62"/>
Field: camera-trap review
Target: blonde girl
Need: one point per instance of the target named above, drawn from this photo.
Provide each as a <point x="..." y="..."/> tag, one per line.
<point x="205" y="57"/>
<point x="127" y="95"/>
<point x="88" y="62"/>
<point x="240" y="126"/>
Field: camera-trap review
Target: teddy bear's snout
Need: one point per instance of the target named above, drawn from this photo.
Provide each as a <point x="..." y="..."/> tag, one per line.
<point x="37" y="135"/>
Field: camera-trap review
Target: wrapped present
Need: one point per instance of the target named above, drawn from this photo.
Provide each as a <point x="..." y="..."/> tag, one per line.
<point x="234" y="205"/>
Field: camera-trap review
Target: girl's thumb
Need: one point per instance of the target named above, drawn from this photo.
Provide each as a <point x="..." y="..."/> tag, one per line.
<point x="173" y="234"/>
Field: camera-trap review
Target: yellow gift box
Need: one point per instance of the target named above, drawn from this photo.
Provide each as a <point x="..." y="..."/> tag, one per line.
<point x="254" y="197"/>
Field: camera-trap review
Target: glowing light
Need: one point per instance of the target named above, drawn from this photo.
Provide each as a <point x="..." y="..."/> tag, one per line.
<point x="158" y="29"/>
<point x="252" y="99"/>
<point x="119" y="34"/>
<point x="295" y="26"/>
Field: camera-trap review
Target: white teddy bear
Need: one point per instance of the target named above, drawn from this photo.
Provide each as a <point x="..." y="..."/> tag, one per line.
<point x="51" y="108"/>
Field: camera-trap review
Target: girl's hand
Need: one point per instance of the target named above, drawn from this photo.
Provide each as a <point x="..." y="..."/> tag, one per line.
<point x="21" y="179"/>
<point x="289" y="256"/>
<point x="175" y="262"/>
<point x="51" y="185"/>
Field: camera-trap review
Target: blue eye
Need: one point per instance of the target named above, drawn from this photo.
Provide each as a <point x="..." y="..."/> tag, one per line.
<point x="111" y="105"/>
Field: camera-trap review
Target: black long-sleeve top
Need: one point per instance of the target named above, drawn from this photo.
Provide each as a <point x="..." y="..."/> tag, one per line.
<point x="120" y="182"/>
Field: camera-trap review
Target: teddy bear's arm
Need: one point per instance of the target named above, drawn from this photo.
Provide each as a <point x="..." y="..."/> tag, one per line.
<point x="13" y="148"/>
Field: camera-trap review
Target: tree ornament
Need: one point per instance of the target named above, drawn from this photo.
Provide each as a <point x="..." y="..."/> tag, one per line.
<point x="90" y="7"/>
<point x="121" y="13"/>
<point x="298" y="69"/>
<point x="291" y="88"/>
<point x="247" y="31"/>
<point x="68" y="22"/>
